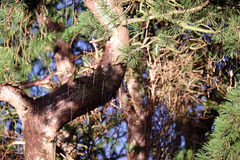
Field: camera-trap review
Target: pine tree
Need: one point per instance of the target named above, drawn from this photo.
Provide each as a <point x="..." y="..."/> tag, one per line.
<point x="171" y="55"/>
<point x="224" y="141"/>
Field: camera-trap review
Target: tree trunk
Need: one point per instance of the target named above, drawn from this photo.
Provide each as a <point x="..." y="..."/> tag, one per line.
<point x="37" y="145"/>
<point x="138" y="118"/>
<point x="138" y="134"/>
<point x="43" y="117"/>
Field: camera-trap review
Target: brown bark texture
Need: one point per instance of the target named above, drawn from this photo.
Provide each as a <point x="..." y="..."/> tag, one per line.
<point x="138" y="118"/>
<point x="43" y="117"/>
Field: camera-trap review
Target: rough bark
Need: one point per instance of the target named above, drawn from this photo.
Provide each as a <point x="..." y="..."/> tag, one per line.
<point x="138" y="118"/>
<point x="43" y="117"/>
<point x="64" y="59"/>
<point x="37" y="144"/>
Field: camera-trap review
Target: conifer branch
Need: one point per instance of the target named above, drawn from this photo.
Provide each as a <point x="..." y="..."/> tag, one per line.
<point x="169" y="14"/>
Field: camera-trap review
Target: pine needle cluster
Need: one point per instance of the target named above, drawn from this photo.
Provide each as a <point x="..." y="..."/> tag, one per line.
<point x="224" y="141"/>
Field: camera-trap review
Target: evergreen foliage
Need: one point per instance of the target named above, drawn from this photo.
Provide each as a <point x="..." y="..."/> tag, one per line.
<point x="21" y="42"/>
<point x="86" y="26"/>
<point x="23" y="39"/>
<point x="177" y="46"/>
<point x="224" y="141"/>
<point x="181" y="50"/>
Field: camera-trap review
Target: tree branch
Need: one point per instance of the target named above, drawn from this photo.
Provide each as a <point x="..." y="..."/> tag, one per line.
<point x="16" y="98"/>
<point x="175" y="12"/>
<point x="84" y="94"/>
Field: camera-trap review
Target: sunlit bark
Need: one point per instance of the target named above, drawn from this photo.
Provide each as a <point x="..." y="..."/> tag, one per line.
<point x="138" y="118"/>
<point x="43" y="117"/>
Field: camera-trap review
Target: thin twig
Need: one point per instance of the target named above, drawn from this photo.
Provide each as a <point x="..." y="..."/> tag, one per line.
<point x="175" y="12"/>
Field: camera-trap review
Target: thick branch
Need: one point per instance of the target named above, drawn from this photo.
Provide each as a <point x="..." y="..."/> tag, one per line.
<point x="16" y="98"/>
<point x="84" y="94"/>
<point x="64" y="58"/>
